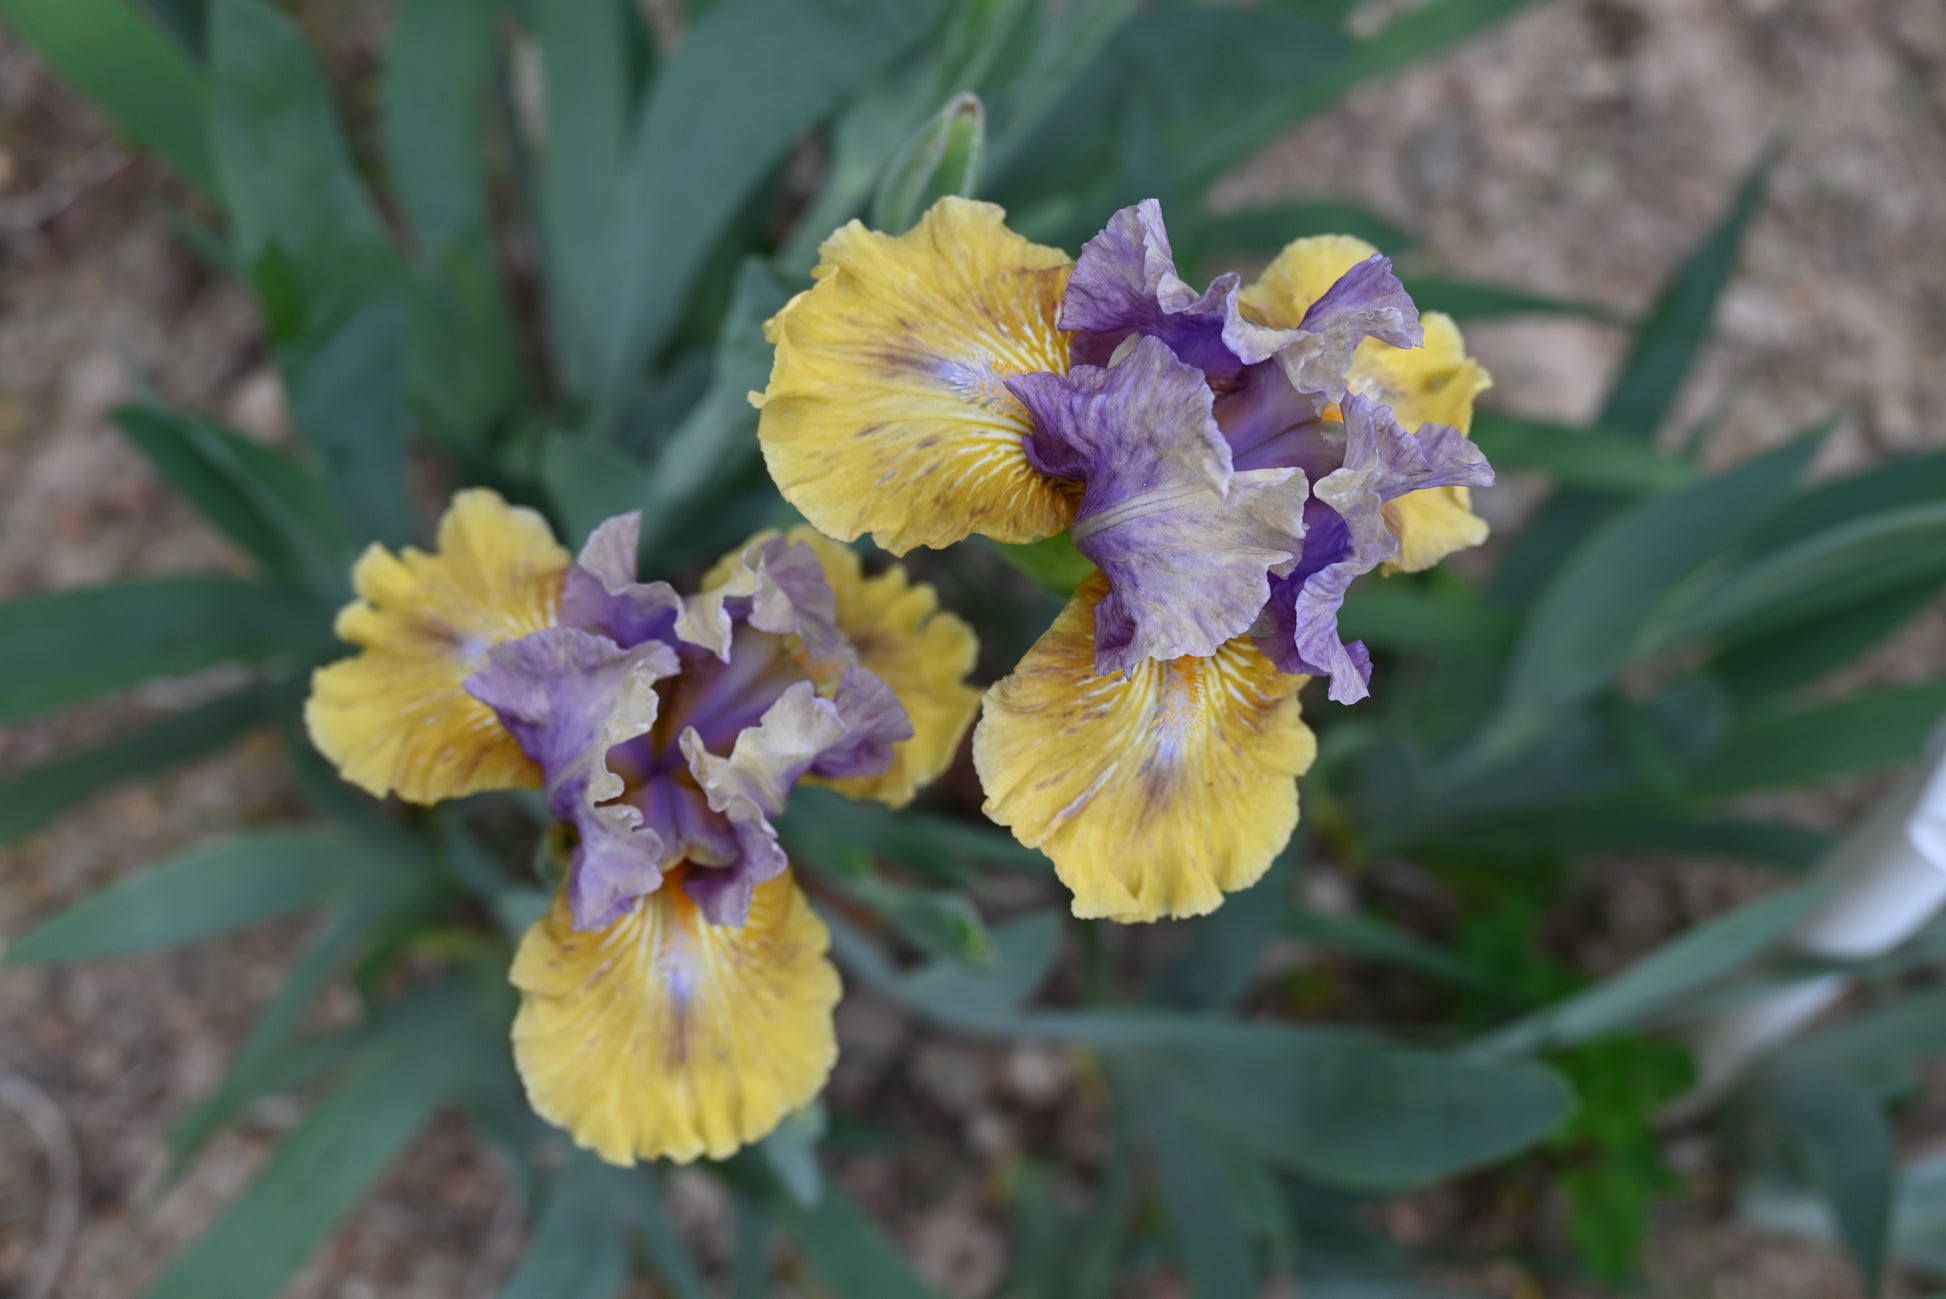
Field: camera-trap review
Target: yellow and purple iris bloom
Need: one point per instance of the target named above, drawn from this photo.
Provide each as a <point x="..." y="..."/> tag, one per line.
<point x="1230" y="460"/>
<point x="677" y="1001"/>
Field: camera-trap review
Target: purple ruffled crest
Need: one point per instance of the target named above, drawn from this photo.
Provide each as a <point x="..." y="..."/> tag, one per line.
<point x="1367" y="301"/>
<point x="672" y="730"/>
<point x="1187" y="542"/>
<point x="601" y="593"/>
<point x="777" y="586"/>
<point x="1125" y="284"/>
<point x="1349" y="537"/>
<point x="570" y="697"/>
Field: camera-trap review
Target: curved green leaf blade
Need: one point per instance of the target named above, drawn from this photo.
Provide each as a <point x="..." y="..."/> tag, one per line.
<point x="30" y="799"/>
<point x="313" y="247"/>
<point x="1666" y="346"/>
<point x="749" y="77"/>
<point x="1660" y="980"/>
<point x="1263" y="232"/>
<point x="1844" y="1137"/>
<point x="1589" y="623"/>
<point x="1782" y="661"/>
<point x="1670" y="338"/>
<point x="1837" y="568"/>
<point x="264" y="500"/>
<point x="1338" y="1106"/>
<point x="1473" y="301"/>
<point x="132" y="72"/>
<point x="1604" y="459"/>
<point x="273" y="1058"/>
<point x="70" y="646"/>
<point x="577" y="1248"/>
<point x="583" y="62"/>
<point x="435" y="112"/>
<point x="1786" y="747"/>
<point x="1197" y="1202"/>
<point x="847" y="1251"/>
<point x="207" y="890"/>
<point x="325" y="1165"/>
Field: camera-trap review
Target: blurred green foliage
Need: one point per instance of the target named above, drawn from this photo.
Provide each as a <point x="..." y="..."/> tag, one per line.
<point x="545" y="266"/>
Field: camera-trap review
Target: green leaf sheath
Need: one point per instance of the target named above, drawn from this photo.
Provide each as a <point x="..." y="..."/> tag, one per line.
<point x="942" y="158"/>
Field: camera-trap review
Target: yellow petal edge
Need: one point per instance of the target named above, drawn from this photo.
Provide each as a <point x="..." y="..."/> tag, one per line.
<point x="1433" y="384"/>
<point x="887" y="410"/>
<point x="664" y="1036"/>
<point x="395" y="717"/>
<point x="918" y="649"/>
<point x="1154" y="795"/>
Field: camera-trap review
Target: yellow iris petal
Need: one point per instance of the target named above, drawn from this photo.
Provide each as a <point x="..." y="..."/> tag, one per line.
<point x="1432" y="384"/>
<point x="887" y="410"/>
<point x="396" y="718"/>
<point x="666" y="1037"/>
<point x="913" y="646"/>
<point x="1154" y="795"/>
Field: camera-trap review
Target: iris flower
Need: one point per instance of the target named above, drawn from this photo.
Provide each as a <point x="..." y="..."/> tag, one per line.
<point x="677" y="1000"/>
<point x="1230" y="461"/>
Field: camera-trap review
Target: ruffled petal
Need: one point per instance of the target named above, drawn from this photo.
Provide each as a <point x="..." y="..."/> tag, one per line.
<point x="875" y="724"/>
<point x="1125" y="283"/>
<point x="1299" y="275"/>
<point x="1431" y="385"/>
<point x="570" y="697"/>
<point x="602" y="595"/>
<point x="750" y="786"/>
<point x="1348" y="536"/>
<point x="663" y="1036"/>
<point x="1367" y="302"/>
<point x="887" y="410"/>
<point x="1333" y="292"/>
<point x="395" y="718"/>
<point x="898" y="631"/>
<point x="774" y="585"/>
<point x="1154" y="794"/>
<point x="1186" y="543"/>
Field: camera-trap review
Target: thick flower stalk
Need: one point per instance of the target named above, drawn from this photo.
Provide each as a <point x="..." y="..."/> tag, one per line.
<point x="1230" y="460"/>
<point x="677" y="1001"/>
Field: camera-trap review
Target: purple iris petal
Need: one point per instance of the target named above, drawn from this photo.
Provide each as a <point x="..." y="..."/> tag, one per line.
<point x="1366" y="302"/>
<point x="778" y="586"/>
<point x="630" y="704"/>
<point x="750" y="786"/>
<point x="1125" y="283"/>
<point x="1349" y="537"/>
<point x="719" y="698"/>
<point x="569" y="697"/>
<point x="874" y="721"/>
<point x="602" y="595"/>
<point x="1186" y="542"/>
<point x="1271" y="425"/>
